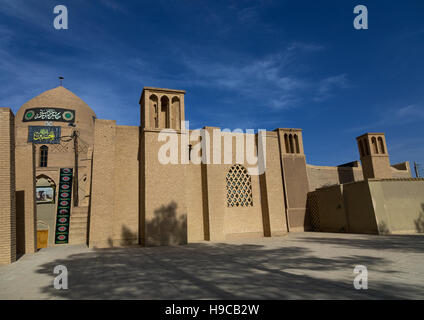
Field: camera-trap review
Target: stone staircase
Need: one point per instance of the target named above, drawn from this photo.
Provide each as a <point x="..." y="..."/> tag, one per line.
<point x="78" y="228"/>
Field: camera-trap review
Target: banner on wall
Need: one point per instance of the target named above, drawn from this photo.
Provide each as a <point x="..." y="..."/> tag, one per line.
<point x="44" y="134"/>
<point x="63" y="215"/>
<point x="44" y="195"/>
<point x="49" y="114"/>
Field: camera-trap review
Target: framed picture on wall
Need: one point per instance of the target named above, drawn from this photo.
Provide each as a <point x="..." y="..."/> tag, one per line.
<point x="44" y="195"/>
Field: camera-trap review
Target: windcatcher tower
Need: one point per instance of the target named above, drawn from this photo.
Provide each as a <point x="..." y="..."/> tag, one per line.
<point x="374" y="156"/>
<point x="162" y="108"/>
<point x="163" y="209"/>
<point x="296" y="184"/>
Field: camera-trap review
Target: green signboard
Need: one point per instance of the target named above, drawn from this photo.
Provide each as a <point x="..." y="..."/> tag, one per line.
<point x="49" y="114"/>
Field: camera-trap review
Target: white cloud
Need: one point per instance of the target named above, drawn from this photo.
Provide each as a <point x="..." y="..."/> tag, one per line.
<point x="401" y="116"/>
<point x="269" y="80"/>
<point x="32" y="12"/>
<point x="411" y="111"/>
<point x="305" y="47"/>
<point x="390" y="117"/>
<point x="114" y="5"/>
<point x="327" y="86"/>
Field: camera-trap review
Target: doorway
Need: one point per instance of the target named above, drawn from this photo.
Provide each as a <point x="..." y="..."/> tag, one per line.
<point x="45" y="194"/>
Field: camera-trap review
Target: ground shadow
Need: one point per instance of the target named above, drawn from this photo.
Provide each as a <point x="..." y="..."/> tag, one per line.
<point x="402" y="243"/>
<point x="218" y="271"/>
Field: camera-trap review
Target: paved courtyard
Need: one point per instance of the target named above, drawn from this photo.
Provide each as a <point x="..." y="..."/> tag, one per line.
<point x="298" y="266"/>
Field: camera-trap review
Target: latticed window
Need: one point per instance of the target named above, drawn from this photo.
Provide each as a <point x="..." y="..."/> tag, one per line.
<point x="44" y="152"/>
<point x="239" y="187"/>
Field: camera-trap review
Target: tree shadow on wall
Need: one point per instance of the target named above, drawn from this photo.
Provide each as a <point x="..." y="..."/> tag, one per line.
<point x="128" y="238"/>
<point x="383" y="229"/>
<point x="419" y="222"/>
<point x="166" y="228"/>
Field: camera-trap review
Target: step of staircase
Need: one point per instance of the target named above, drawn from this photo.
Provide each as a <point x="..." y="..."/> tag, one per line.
<point x="79" y="214"/>
<point x="78" y="226"/>
<point x="79" y="219"/>
<point x="77" y="237"/>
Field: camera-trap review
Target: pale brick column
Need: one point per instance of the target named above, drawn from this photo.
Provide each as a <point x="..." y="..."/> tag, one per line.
<point x="7" y="188"/>
<point x="25" y="199"/>
<point x="102" y="195"/>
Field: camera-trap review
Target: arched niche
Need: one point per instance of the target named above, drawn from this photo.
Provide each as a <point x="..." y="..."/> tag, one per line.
<point x="291" y="143"/>
<point x="44" y="180"/>
<point x="164" y="112"/>
<point x="296" y="143"/>
<point x="381" y="143"/>
<point x="154" y="111"/>
<point x="286" y="143"/>
<point x="374" y="145"/>
<point x="176" y="113"/>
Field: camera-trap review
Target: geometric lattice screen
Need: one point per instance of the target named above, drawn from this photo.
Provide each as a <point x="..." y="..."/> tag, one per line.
<point x="313" y="210"/>
<point x="239" y="187"/>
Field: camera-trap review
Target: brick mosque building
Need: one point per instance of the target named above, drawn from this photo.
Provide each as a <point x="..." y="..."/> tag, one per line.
<point x="70" y="178"/>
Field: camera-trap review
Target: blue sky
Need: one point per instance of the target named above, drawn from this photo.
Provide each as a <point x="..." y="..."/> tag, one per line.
<point x="244" y="64"/>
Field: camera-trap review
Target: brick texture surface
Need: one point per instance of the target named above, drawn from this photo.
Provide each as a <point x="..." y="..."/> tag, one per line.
<point x="7" y="188"/>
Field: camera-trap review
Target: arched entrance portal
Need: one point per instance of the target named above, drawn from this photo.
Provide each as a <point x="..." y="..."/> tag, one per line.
<point x="45" y="194"/>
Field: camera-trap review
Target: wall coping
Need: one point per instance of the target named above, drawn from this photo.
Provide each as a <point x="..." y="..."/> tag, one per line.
<point x="335" y="167"/>
<point x="397" y="179"/>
